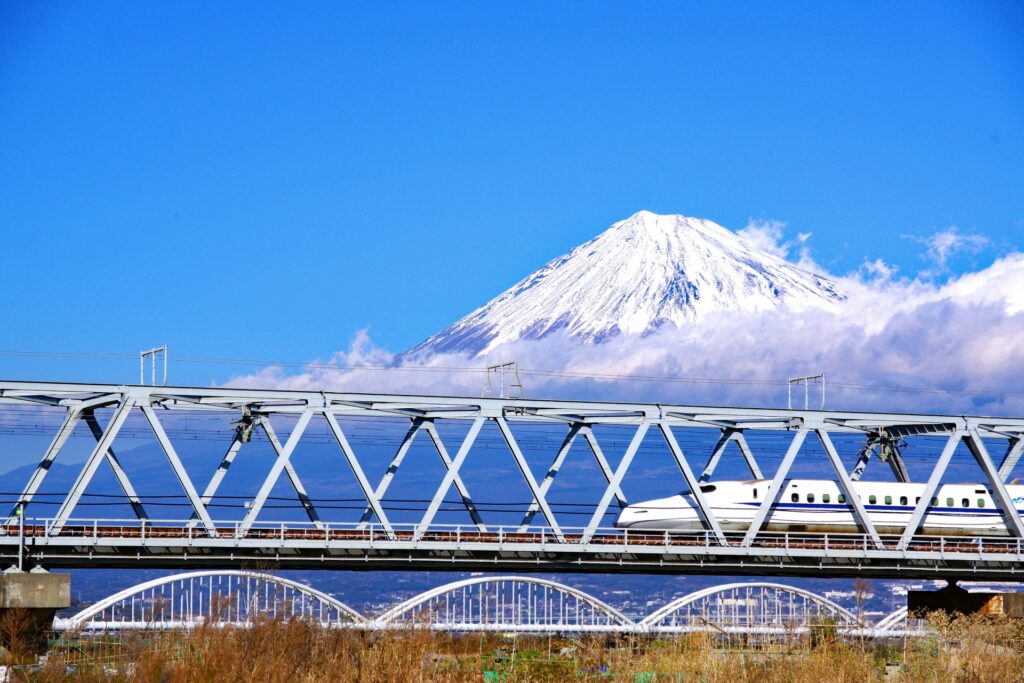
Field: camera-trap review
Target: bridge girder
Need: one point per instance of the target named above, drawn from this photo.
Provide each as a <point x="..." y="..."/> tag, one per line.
<point x="376" y="541"/>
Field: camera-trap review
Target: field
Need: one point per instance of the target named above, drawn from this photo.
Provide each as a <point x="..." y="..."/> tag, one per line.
<point x="961" y="649"/>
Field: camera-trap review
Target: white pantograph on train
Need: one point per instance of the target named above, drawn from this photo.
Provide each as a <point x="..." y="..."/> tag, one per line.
<point x="819" y="506"/>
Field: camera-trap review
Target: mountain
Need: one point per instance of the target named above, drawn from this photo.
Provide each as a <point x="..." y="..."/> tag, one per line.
<point x="638" y="275"/>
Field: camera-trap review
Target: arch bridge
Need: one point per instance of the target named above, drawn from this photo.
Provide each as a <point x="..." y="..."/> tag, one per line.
<point x="225" y="596"/>
<point x="505" y="604"/>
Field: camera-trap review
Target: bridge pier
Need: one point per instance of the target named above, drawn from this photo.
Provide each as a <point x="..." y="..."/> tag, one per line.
<point x="28" y="602"/>
<point x="956" y="600"/>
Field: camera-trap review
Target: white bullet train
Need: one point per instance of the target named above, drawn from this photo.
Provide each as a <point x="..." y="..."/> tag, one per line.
<point x="818" y="506"/>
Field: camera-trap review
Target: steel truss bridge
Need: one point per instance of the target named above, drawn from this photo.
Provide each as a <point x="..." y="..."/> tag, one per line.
<point x="500" y="604"/>
<point x="542" y="540"/>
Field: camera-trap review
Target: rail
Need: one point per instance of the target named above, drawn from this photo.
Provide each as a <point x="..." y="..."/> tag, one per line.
<point x="96" y="531"/>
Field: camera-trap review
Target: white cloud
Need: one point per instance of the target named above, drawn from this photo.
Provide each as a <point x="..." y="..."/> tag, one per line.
<point x="943" y="245"/>
<point x="767" y="236"/>
<point x="960" y="344"/>
<point x="878" y="269"/>
<point x="770" y="236"/>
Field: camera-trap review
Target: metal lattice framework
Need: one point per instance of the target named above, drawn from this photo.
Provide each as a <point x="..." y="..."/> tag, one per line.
<point x="502" y="603"/>
<point x="749" y="607"/>
<point x="230" y="597"/>
<point x="505" y="604"/>
<point x="543" y="540"/>
<point x="894" y="622"/>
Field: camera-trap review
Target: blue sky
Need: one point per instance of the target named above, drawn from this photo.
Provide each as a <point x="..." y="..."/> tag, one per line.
<point x="259" y="181"/>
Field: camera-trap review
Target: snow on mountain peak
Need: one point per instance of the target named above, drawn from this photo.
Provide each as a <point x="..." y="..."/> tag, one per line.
<point x="642" y="273"/>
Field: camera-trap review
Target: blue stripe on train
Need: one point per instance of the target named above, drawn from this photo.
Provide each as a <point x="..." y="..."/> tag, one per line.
<point x="881" y="508"/>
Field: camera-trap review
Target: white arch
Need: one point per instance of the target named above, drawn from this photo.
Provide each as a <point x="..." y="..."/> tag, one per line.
<point x="88" y="613"/>
<point x="667" y="610"/>
<point x="892" y="621"/>
<point x="393" y="615"/>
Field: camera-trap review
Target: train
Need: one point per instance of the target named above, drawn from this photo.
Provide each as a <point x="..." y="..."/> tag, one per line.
<point x="819" y="506"/>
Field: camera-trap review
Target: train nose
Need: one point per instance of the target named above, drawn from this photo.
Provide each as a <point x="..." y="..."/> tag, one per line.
<point x="653" y="514"/>
<point x="627" y="517"/>
<point x="634" y="515"/>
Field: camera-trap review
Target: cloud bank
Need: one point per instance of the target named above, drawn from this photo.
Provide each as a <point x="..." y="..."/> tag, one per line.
<point x="896" y="344"/>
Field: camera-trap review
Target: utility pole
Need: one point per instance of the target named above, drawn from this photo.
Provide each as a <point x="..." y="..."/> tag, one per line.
<point x="806" y="382"/>
<point x="152" y="354"/>
<point x="515" y="385"/>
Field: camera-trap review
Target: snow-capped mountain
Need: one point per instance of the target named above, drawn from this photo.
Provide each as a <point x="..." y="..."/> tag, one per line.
<point x="641" y="273"/>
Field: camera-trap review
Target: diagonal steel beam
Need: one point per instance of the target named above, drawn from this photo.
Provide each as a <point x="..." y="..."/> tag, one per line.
<point x="888" y="452"/>
<point x="293" y="476"/>
<point x="1014" y="524"/>
<point x="771" y="496"/>
<point x="460" y="486"/>
<point x="275" y="472"/>
<point x="531" y="482"/>
<point x="218" y="475"/>
<point x="616" y="482"/>
<point x="748" y="455"/>
<point x="67" y="427"/>
<point x="357" y="470"/>
<point x="863" y="458"/>
<point x="730" y="434"/>
<point x="710" y="521"/>
<point x="716" y="454"/>
<point x="92" y="463"/>
<point x="930" y="488"/>
<point x="896" y="464"/>
<point x="449" y="478"/>
<point x="179" y="471"/>
<point x="552" y="472"/>
<point x="602" y="462"/>
<point x="122" y="477"/>
<point x="1014" y="449"/>
<point x="577" y="428"/>
<point x="222" y="469"/>
<point x="846" y="486"/>
<point x="393" y="466"/>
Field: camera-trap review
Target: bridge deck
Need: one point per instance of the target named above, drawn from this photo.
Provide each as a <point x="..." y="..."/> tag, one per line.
<point x="106" y="543"/>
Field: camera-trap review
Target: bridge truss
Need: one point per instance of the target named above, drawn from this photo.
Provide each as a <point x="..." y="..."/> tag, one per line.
<point x="499" y="604"/>
<point x="226" y="596"/>
<point x="543" y="539"/>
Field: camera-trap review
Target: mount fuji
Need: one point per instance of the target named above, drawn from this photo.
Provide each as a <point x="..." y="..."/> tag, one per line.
<point x="637" y="276"/>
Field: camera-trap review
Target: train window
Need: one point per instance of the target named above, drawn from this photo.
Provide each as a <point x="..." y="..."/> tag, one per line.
<point x="707" y="488"/>
<point x="841" y="498"/>
<point x="949" y="502"/>
<point x="795" y="498"/>
<point x="810" y="497"/>
<point x="917" y="501"/>
<point x="872" y="500"/>
<point x="904" y="501"/>
<point x="981" y="502"/>
<point x="888" y="500"/>
<point x="935" y="501"/>
<point x="966" y="503"/>
<point x="825" y="498"/>
<point x="755" y="493"/>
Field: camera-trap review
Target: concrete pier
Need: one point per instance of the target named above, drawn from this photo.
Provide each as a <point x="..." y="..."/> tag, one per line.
<point x="28" y="602"/>
<point x="955" y="600"/>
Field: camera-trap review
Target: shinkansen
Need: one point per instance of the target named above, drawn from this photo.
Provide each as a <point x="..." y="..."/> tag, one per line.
<point x="819" y="506"/>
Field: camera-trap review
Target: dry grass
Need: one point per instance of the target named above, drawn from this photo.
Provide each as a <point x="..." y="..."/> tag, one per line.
<point x="967" y="650"/>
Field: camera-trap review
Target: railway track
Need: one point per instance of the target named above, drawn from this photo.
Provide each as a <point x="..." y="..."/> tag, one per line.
<point x="461" y="538"/>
